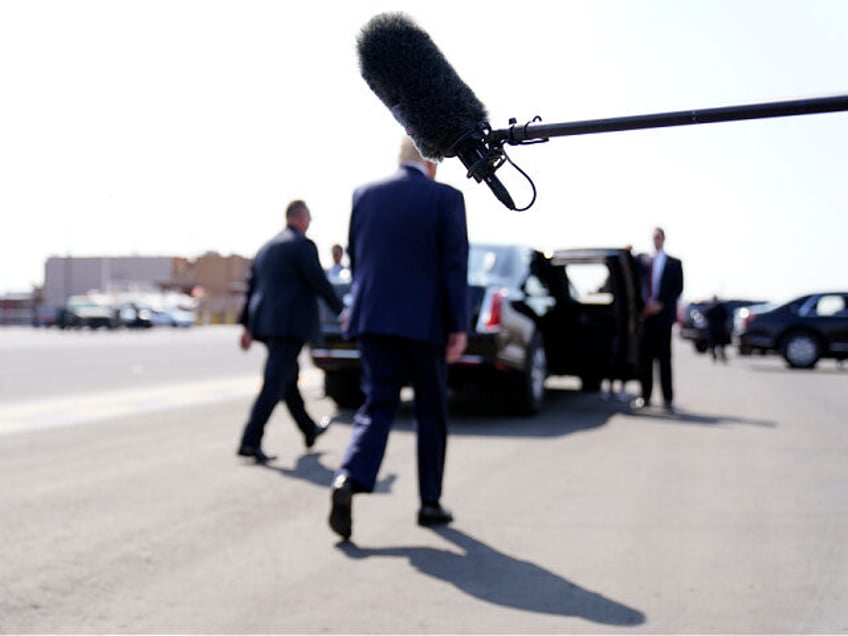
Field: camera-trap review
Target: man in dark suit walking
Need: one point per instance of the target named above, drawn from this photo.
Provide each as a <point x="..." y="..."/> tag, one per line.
<point x="663" y="281"/>
<point x="281" y="311"/>
<point x="408" y="251"/>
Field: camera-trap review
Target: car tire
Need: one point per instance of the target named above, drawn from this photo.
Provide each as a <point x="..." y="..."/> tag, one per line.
<point x="531" y="385"/>
<point x="343" y="388"/>
<point x="801" y="349"/>
<point x="701" y="346"/>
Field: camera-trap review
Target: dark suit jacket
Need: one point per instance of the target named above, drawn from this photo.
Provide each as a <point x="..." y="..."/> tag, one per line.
<point x="408" y="249"/>
<point x="285" y="281"/>
<point x="671" y="287"/>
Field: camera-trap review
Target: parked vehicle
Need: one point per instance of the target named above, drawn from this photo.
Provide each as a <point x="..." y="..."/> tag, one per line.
<point x="172" y="317"/>
<point x="133" y="316"/>
<point x="45" y="316"/>
<point x="181" y="317"/>
<point x="693" y="320"/>
<point x="803" y="330"/>
<point x="531" y="316"/>
<point x="84" y="311"/>
<point x="740" y="317"/>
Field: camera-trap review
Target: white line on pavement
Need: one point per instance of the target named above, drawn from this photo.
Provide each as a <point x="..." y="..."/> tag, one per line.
<point x="91" y="407"/>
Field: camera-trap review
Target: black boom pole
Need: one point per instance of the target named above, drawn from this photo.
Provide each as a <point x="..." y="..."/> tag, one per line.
<point x="517" y="134"/>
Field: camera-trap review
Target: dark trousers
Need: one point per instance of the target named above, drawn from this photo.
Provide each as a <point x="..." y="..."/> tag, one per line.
<point x="279" y="385"/>
<point x="656" y="345"/>
<point x="388" y="363"/>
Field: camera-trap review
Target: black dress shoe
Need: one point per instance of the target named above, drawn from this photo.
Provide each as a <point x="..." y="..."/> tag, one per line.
<point x="318" y="431"/>
<point x="434" y="515"/>
<point x="256" y="453"/>
<point x="341" y="497"/>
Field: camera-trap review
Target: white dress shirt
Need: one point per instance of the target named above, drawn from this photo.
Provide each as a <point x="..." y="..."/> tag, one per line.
<point x="657" y="266"/>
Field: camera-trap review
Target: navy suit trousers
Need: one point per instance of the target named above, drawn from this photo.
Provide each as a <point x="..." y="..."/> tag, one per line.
<point x="656" y="345"/>
<point x="389" y="363"/>
<point x="279" y="385"/>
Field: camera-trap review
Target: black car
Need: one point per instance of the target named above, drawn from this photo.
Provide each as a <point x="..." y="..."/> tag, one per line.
<point x="532" y="315"/>
<point x="83" y="312"/>
<point x="693" y="320"/>
<point x="803" y="330"/>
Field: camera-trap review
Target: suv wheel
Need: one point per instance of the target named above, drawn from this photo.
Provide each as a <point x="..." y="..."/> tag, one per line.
<point x="531" y="389"/>
<point x="801" y="350"/>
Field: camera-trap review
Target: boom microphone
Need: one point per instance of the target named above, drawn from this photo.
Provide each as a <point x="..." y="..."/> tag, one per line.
<point x="444" y="118"/>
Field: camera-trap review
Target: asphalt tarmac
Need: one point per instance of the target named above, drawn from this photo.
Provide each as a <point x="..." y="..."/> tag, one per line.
<point x="125" y="510"/>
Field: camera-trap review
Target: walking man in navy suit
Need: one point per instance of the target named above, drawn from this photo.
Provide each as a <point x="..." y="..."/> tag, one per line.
<point x="663" y="281"/>
<point x="281" y="311"/>
<point x="408" y="252"/>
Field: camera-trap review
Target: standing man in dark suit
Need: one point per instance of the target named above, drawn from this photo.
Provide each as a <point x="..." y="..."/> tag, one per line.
<point x="408" y="251"/>
<point x="281" y="311"/>
<point x="663" y="280"/>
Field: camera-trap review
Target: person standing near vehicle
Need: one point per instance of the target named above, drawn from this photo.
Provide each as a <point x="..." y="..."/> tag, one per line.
<point x="663" y="281"/>
<point x="718" y="330"/>
<point x="281" y="311"/>
<point x="408" y="252"/>
<point x="337" y="272"/>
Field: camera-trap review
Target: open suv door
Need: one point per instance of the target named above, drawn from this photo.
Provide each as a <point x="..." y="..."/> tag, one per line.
<point x="595" y="335"/>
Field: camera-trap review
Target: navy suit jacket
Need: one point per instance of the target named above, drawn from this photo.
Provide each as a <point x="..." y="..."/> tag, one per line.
<point x="671" y="287"/>
<point x="285" y="281"/>
<point x="408" y="250"/>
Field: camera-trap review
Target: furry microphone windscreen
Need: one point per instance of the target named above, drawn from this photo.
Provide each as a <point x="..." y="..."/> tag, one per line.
<point x="407" y="71"/>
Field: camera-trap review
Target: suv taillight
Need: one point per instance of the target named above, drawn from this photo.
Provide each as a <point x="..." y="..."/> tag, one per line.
<point x="489" y="319"/>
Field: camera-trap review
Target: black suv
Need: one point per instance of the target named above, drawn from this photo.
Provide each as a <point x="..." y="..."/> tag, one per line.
<point x="693" y="321"/>
<point x="532" y="315"/>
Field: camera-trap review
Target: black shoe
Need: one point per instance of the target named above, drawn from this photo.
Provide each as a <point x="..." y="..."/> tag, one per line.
<point x="341" y="497"/>
<point x="256" y="453"/>
<point x="434" y="515"/>
<point x="669" y="407"/>
<point x="318" y="431"/>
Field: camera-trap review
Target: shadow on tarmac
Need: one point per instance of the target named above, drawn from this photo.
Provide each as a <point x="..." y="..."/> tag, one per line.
<point x="565" y="412"/>
<point x="309" y="468"/>
<point x="687" y="417"/>
<point x="494" y="577"/>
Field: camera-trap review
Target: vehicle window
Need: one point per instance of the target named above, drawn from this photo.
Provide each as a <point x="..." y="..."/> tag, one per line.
<point x="537" y="295"/>
<point x="589" y="283"/>
<point x="829" y="305"/>
<point x="534" y="287"/>
<point x="491" y="263"/>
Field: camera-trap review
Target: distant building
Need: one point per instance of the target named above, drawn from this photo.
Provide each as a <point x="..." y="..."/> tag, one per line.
<point x="18" y="309"/>
<point x="216" y="282"/>
<point x="66" y="276"/>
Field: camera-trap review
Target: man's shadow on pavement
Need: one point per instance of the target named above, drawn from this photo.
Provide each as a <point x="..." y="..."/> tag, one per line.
<point x="492" y="576"/>
<point x="690" y="417"/>
<point x="309" y="468"/>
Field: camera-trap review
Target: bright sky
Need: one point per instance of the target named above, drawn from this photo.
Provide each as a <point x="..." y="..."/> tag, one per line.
<point x="177" y="127"/>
